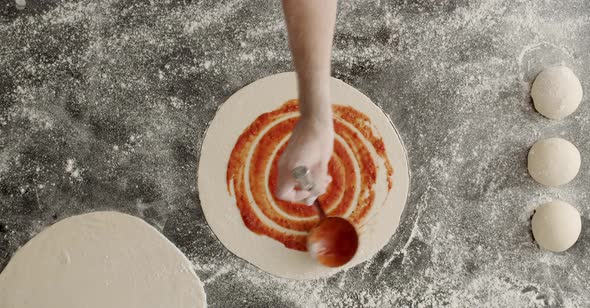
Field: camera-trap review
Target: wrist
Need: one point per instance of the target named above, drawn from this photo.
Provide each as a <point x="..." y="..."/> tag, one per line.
<point x="324" y="122"/>
<point x="323" y="117"/>
<point x="314" y="96"/>
<point x="317" y="109"/>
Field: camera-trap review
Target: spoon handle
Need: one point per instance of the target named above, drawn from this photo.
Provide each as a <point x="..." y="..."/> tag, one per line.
<point x="320" y="210"/>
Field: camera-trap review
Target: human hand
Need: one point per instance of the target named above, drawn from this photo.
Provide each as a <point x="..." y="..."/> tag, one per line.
<point x="310" y="145"/>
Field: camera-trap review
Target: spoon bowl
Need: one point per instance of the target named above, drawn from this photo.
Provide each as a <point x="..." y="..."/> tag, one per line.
<point x="333" y="241"/>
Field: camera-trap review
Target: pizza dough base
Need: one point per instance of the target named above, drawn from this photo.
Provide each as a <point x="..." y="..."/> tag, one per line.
<point x="220" y="208"/>
<point x="97" y="260"/>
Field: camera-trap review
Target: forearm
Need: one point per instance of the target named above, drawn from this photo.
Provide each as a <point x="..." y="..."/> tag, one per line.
<point x="310" y="24"/>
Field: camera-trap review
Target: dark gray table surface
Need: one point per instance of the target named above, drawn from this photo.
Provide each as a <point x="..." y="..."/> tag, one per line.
<point x="104" y="105"/>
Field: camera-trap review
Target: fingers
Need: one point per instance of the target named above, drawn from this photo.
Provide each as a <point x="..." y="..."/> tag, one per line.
<point x="287" y="184"/>
<point x="294" y="195"/>
<point x="319" y="190"/>
<point x="321" y="184"/>
<point x="322" y="179"/>
<point x="286" y="191"/>
<point x="301" y="195"/>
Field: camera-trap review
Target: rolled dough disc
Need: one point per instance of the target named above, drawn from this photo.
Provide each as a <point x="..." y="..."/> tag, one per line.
<point x="97" y="260"/>
<point x="220" y="209"/>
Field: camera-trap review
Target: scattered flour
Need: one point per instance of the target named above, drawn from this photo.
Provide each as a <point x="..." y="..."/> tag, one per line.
<point x="129" y="89"/>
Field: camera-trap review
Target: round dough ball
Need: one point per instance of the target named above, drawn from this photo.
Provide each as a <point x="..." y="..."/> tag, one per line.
<point x="554" y="161"/>
<point x="556" y="92"/>
<point x="556" y="226"/>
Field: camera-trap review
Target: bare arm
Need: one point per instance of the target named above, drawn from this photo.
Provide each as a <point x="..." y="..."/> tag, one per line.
<point x="310" y="24"/>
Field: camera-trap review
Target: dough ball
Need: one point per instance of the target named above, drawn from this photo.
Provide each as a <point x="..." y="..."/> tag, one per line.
<point x="554" y="161"/>
<point x="556" y="92"/>
<point x="556" y="226"/>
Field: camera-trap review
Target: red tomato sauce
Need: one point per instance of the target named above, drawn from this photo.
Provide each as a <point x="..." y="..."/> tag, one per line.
<point x="266" y="137"/>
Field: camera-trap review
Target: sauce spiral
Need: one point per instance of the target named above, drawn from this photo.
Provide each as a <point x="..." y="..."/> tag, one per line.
<point x="252" y="174"/>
